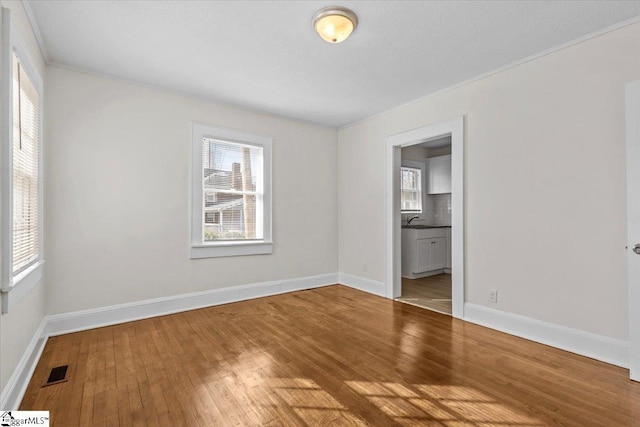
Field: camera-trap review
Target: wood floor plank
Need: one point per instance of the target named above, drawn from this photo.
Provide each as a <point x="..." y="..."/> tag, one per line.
<point x="328" y="356"/>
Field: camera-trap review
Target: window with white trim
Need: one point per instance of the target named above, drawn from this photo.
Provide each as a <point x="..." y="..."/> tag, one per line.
<point x="411" y="192"/>
<point x="231" y="193"/>
<point x="21" y="181"/>
<point x="25" y="170"/>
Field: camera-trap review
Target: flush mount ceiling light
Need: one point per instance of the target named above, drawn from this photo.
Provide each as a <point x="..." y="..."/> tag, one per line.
<point x="335" y="23"/>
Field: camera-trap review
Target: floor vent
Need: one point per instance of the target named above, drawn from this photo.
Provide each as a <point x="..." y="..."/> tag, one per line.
<point x="58" y="375"/>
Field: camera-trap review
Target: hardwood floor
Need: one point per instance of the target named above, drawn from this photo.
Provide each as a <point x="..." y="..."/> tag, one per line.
<point x="329" y="356"/>
<point x="433" y="292"/>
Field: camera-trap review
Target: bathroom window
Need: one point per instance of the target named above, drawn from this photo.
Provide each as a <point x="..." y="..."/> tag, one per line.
<point x="411" y="193"/>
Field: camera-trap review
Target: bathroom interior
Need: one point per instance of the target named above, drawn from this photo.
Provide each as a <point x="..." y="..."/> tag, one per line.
<point x="426" y="224"/>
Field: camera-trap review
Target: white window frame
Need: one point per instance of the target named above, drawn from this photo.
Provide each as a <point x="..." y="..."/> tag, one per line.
<point x="200" y="248"/>
<point x="420" y="190"/>
<point x="15" y="287"/>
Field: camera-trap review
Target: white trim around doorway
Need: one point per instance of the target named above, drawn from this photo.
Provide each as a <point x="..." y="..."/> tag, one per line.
<point x="633" y="223"/>
<point x="455" y="128"/>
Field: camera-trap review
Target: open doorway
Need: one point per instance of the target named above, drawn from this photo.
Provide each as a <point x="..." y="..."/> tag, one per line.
<point x="443" y="142"/>
<point x="425" y="218"/>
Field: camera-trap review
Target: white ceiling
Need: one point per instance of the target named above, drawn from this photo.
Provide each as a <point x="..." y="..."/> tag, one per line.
<point x="437" y="142"/>
<point x="266" y="56"/>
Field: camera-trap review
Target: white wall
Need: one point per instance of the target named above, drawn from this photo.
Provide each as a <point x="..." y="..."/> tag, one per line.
<point x="117" y="219"/>
<point x="545" y="184"/>
<point x="18" y="326"/>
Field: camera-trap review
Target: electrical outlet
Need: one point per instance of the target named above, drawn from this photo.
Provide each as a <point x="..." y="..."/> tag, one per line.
<point x="365" y="267"/>
<point x="493" y="295"/>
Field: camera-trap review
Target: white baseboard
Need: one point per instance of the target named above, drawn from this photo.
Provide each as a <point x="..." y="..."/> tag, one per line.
<point x="65" y="323"/>
<point x="13" y="391"/>
<point x="362" y="284"/>
<point x="587" y="344"/>
<point x="599" y="347"/>
<point x="413" y="276"/>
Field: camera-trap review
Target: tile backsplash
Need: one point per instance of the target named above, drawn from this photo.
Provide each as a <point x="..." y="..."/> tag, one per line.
<point x="438" y="209"/>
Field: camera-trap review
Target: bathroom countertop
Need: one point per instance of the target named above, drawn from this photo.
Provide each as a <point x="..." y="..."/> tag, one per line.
<point x="421" y="226"/>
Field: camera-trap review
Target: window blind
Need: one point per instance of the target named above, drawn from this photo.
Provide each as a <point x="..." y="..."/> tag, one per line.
<point x="233" y="190"/>
<point x="26" y="144"/>
<point x="411" y="193"/>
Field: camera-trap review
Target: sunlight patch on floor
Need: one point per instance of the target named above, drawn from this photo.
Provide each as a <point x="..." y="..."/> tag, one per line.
<point x="446" y="405"/>
<point x="312" y="404"/>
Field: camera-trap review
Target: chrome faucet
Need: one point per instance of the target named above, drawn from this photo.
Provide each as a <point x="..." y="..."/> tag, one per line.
<point x="412" y="218"/>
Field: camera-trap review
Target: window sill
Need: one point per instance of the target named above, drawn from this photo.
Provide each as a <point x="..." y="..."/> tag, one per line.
<point x="231" y="249"/>
<point x="21" y="285"/>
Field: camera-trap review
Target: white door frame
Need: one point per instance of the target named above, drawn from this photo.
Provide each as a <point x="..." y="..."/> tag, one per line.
<point x="393" y="279"/>
<point x="633" y="223"/>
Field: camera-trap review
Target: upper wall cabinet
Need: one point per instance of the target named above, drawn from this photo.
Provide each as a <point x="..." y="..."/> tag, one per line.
<point x="439" y="175"/>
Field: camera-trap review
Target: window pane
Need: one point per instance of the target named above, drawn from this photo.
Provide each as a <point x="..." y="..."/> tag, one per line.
<point x="232" y="182"/>
<point x="230" y="166"/>
<point x="230" y="217"/>
<point x="26" y="141"/>
<point x="411" y="191"/>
